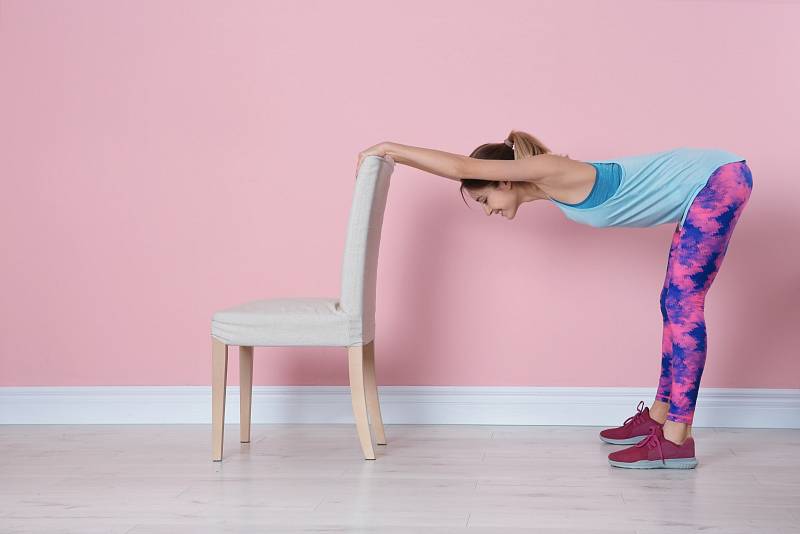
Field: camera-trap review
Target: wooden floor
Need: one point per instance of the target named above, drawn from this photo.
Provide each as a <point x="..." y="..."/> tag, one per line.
<point x="429" y="479"/>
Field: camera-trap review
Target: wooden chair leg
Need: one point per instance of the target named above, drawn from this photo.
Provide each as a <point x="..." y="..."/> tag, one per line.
<point x="371" y="387"/>
<point x="219" y="378"/>
<point x="245" y="392"/>
<point x="355" y="356"/>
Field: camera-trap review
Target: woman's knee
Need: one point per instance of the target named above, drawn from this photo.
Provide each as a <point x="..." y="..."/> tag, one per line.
<point x="678" y="305"/>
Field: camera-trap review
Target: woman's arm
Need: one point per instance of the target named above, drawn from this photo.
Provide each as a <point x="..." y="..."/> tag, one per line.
<point x="457" y="166"/>
<point x="429" y="160"/>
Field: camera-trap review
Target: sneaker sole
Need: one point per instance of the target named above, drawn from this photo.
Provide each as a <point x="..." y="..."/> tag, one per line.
<point x="673" y="463"/>
<point x="627" y="441"/>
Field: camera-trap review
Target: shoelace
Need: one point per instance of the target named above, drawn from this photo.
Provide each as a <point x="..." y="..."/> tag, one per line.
<point x="638" y="416"/>
<point x="652" y="441"/>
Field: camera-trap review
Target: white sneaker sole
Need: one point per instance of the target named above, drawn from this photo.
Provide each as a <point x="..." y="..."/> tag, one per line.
<point x="672" y="463"/>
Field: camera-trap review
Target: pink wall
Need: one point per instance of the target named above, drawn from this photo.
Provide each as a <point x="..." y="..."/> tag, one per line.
<point x="161" y="160"/>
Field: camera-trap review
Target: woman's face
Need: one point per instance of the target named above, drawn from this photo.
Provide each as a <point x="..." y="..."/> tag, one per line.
<point x="504" y="200"/>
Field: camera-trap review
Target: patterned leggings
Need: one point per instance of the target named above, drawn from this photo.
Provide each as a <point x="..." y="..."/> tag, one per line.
<point x="695" y="257"/>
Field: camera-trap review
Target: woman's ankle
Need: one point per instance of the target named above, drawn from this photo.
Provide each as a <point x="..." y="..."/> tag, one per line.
<point x="677" y="432"/>
<point x="659" y="411"/>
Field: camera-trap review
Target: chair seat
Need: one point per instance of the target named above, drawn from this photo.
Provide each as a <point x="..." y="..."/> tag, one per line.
<point x="282" y="322"/>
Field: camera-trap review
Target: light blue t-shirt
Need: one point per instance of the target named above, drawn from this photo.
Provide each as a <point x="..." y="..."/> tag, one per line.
<point x="655" y="188"/>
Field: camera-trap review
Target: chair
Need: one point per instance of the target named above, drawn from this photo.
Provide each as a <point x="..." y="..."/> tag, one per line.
<point x="315" y="322"/>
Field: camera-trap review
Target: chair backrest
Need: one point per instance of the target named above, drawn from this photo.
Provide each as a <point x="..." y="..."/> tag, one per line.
<point x="360" y="263"/>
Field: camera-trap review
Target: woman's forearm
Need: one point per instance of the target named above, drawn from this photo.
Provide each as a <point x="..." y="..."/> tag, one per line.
<point x="429" y="160"/>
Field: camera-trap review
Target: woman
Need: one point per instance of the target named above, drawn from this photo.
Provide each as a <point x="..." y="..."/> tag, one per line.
<point x="702" y="190"/>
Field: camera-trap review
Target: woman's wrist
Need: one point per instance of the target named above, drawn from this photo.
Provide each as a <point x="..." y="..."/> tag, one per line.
<point x="391" y="149"/>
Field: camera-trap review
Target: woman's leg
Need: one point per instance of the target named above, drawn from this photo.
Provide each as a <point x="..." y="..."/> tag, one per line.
<point x="660" y="407"/>
<point x="696" y="254"/>
<point x="665" y="380"/>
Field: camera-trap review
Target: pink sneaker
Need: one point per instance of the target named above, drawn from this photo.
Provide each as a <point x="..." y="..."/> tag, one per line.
<point x="633" y="430"/>
<point x="656" y="451"/>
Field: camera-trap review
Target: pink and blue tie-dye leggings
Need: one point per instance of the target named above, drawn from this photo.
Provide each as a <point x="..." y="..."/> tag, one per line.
<point x="695" y="256"/>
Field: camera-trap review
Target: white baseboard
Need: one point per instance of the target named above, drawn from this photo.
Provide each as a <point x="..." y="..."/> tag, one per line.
<point x="598" y="406"/>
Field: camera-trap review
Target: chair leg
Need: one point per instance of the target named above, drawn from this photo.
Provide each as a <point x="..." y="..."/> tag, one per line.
<point x="245" y="392"/>
<point x="371" y="387"/>
<point x="355" y="357"/>
<point x="219" y="378"/>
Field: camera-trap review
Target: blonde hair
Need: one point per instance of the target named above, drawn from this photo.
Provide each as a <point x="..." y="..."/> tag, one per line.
<point x="525" y="146"/>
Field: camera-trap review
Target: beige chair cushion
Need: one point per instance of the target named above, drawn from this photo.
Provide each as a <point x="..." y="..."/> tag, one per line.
<point x="283" y="322"/>
<point x="344" y="322"/>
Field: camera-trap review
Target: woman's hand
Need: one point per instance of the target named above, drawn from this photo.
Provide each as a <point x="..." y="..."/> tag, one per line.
<point x="375" y="150"/>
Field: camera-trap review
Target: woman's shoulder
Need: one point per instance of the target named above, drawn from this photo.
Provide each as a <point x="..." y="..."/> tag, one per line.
<point x="573" y="181"/>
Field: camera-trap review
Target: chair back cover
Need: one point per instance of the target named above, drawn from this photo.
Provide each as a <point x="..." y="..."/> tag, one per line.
<point x="360" y="263"/>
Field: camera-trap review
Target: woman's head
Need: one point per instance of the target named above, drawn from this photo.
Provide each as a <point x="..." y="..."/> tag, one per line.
<point x="503" y="197"/>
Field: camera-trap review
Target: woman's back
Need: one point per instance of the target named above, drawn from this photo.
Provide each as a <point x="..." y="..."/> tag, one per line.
<point x="653" y="189"/>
